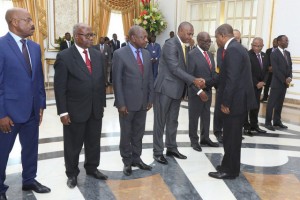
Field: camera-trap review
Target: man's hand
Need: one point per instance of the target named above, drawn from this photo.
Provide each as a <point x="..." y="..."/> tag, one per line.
<point x="199" y="83"/>
<point x="225" y="109"/>
<point x="259" y="85"/>
<point x="123" y="111"/>
<point x="65" y="120"/>
<point x="203" y="96"/>
<point x="41" y="115"/>
<point x="149" y="106"/>
<point x="5" y="124"/>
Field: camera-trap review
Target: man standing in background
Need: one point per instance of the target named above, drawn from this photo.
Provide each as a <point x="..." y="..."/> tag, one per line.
<point x="126" y="41"/>
<point x="133" y="88"/>
<point x="154" y="50"/>
<point x="22" y="98"/>
<point x="67" y="43"/>
<point x="79" y="86"/>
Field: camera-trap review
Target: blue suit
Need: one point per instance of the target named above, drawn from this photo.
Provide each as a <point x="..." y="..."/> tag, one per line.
<point x="154" y="49"/>
<point x="22" y="95"/>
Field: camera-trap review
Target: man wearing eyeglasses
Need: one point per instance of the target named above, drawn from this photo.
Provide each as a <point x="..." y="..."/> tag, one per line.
<point x="79" y="85"/>
<point x="22" y="98"/>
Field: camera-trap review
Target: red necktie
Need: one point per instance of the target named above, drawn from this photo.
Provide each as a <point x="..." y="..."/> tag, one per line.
<point x="88" y="62"/>
<point x="223" y="54"/>
<point x="207" y="59"/>
<point x="26" y="56"/>
<point x="139" y="61"/>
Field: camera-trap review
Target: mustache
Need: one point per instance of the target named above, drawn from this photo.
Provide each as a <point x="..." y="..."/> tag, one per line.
<point x="32" y="28"/>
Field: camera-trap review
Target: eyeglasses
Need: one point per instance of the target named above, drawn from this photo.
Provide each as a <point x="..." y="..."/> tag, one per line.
<point x="207" y="41"/>
<point x="27" y="20"/>
<point x="88" y="35"/>
<point x="257" y="46"/>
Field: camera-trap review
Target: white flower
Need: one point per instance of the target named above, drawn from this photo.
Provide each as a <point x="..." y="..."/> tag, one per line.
<point x="162" y="23"/>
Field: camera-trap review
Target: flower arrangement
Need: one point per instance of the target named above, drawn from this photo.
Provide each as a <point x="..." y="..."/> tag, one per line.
<point x="150" y="18"/>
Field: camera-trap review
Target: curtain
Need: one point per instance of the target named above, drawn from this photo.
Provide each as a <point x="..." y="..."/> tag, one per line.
<point x="99" y="17"/>
<point x="129" y="14"/>
<point x="37" y="9"/>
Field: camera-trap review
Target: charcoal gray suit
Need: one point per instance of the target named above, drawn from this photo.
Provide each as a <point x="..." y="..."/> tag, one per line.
<point x="199" y="67"/>
<point x="282" y="69"/>
<point x="169" y="87"/>
<point x="133" y="90"/>
<point x="106" y="53"/>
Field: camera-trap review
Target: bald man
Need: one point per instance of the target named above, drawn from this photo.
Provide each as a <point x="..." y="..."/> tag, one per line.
<point x="169" y="89"/>
<point x="22" y="97"/>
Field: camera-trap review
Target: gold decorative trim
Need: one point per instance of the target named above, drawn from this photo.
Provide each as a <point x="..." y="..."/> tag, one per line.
<point x="271" y="24"/>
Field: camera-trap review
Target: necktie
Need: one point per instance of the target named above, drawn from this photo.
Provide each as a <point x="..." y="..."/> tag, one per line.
<point x="69" y="45"/>
<point x="207" y="59"/>
<point x="223" y="54"/>
<point x="183" y="49"/>
<point x="101" y="48"/>
<point x="88" y="62"/>
<point x="139" y="61"/>
<point x="26" y="56"/>
<point x="259" y="60"/>
<point x="285" y="56"/>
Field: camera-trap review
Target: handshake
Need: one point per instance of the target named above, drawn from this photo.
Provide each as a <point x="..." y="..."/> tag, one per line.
<point x="200" y="84"/>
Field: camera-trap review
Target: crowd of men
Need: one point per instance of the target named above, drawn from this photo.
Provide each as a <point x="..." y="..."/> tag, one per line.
<point x="143" y="76"/>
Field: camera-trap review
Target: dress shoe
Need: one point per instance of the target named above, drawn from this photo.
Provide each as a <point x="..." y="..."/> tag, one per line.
<point x="248" y="132"/>
<point x="220" y="139"/>
<point x="72" y="181"/>
<point x="37" y="187"/>
<point x="218" y="168"/>
<point x="176" y="154"/>
<point x="142" y="166"/>
<point x="97" y="174"/>
<point x="161" y="159"/>
<point x="280" y="125"/>
<point x="270" y="127"/>
<point x="3" y="196"/>
<point x="210" y="143"/>
<point x="197" y="148"/>
<point x="221" y="175"/>
<point x="127" y="170"/>
<point x="258" y="130"/>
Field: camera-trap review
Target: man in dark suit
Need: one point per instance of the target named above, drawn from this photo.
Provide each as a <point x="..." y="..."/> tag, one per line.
<point x="133" y="88"/>
<point x="259" y="68"/>
<point x="79" y="87"/>
<point x="201" y="64"/>
<point x="171" y="35"/>
<point x="115" y="42"/>
<point x="169" y="87"/>
<point x="154" y="50"/>
<point x="106" y="55"/>
<point x="270" y="73"/>
<point x="281" y="63"/>
<point x="126" y="41"/>
<point x="22" y="98"/>
<point x="236" y="96"/>
<point x="67" y="43"/>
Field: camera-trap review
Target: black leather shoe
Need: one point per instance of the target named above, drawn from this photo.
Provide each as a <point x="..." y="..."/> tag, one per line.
<point x="220" y="139"/>
<point x="210" y="143"/>
<point x="176" y="154"/>
<point x="97" y="174"/>
<point x="258" y="130"/>
<point x="3" y="196"/>
<point x="280" y="125"/>
<point x="37" y="187"/>
<point x="127" y="170"/>
<point x="161" y="159"/>
<point x="72" y="181"/>
<point x="197" y="148"/>
<point x="221" y="175"/>
<point x="142" y="166"/>
<point x="248" y="132"/>
<point x="270" y="127"/>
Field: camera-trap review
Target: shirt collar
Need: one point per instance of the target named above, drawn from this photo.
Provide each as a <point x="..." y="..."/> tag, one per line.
<point x="81" y="49"/>
<point x="180" y="40"/>
<point x="16" y="37"/>
<point x="227" y="43"/>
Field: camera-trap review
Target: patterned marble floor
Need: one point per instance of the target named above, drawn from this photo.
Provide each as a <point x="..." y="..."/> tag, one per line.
<point x="269" y="166"/>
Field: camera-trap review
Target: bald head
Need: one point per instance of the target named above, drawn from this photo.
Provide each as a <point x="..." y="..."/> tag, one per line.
<point x="19" y="22"/>
<point x="185" y="32"/>
<point x="204" y="41"/>
<point x="257" y="44"/>
<point x="138" y="36"/>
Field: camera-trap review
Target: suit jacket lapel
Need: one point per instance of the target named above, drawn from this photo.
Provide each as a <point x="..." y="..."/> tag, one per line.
<point x="133" y="60"/>
<point x="12" y="43"/>
<point x="95" y="68"/>
<point x="80" y="62"/>
<point x="201" y="56"/>
<point x="181" y="50"/>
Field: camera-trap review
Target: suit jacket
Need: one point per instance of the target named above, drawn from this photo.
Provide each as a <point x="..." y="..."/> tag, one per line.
<point x="154" y="50"/>
<point x="19" y="91"/>
<point x="172" y="70"/>
<point x="106" y="52"/>
<point x="236" y="87"/>
<point x="282" y="68"/>
<point x="258" y="74"/>
<point x="131" y="88"/>
<point x="115" y="47"/>
<point x="64" y="45"/>
<point x="198" y="67"/>
<point x="76" y="90"/>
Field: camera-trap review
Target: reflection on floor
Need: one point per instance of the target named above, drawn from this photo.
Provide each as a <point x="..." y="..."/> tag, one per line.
<point x="269" y="165"/>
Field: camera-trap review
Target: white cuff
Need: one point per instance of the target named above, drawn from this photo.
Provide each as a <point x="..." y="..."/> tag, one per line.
<point x="63" y="114"/>
<point x="199" y="92"/>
